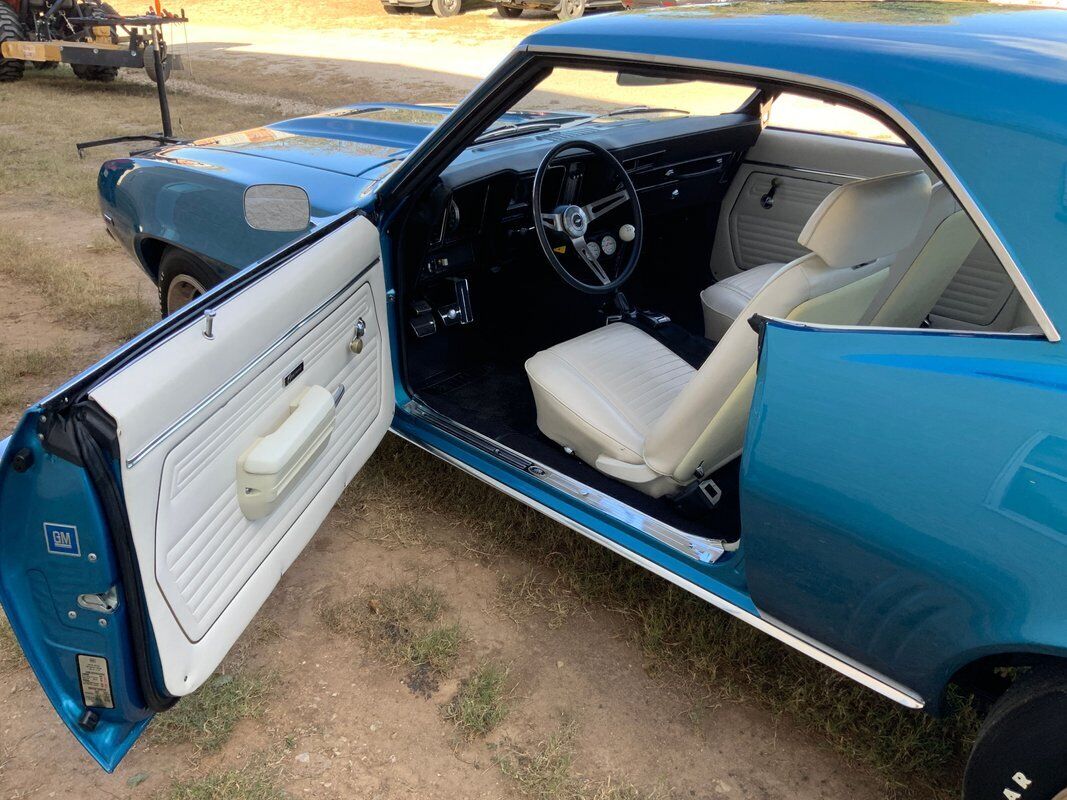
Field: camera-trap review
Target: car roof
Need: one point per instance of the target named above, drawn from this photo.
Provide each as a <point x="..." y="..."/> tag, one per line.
<point x="980" y="87"/>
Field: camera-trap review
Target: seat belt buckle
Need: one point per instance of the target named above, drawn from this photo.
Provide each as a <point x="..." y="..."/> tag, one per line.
<point x="711" y="491"/>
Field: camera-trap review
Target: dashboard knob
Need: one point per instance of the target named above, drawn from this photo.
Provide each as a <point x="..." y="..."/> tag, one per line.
<point x="627" y="232"/>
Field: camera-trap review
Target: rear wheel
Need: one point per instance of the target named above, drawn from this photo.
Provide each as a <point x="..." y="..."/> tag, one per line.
<point x="446" y="8"/>
<point x="1021" y="750"/>
<point x="182" y="278"/>
<point x="508" y="12"/>
<point x="10" y="31"/>
<point x="571" y="9"/>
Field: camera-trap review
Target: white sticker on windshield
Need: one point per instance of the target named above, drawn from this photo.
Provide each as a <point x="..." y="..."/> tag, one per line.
<point x="96" y="684"/>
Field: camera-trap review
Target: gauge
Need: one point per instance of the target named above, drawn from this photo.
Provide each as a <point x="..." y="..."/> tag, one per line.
<point x="608" y="245"/>
<point x="594" y="249"/>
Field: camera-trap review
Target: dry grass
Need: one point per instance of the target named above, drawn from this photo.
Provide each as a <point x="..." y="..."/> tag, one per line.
<point x="256" y="781"/>
<point x="207" y="718"/>
<point x="546" y="772"/>
<point x="717" y="656"/>
<point x="481" y="702"/>
<point x="21" y="370"/>
<point x="403" y="625"/>
<point x="40" y="160"/>
<point x="72" y="290"/>
<point x="11" y="657"/>
<point x="520" y="596"/>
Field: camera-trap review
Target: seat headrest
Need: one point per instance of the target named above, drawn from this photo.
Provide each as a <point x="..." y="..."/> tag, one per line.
<point x="868" y="219"/>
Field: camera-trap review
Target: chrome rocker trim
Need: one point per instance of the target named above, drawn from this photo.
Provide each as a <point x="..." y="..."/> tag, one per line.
<point x="824" y="655"/>
<point x="705" y="551"/>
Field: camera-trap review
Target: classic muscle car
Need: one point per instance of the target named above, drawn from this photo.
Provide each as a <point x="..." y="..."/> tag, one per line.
<point x="815" y="379"/>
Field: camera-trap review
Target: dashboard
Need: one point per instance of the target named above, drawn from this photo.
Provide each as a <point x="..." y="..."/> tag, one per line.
<point x="480" y="215"/>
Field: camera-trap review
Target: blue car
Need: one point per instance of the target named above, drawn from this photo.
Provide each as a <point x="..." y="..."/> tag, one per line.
<point x="772" y="310"/>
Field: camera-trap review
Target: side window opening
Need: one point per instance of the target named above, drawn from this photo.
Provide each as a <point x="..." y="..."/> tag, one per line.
<point x="808" y="114"/>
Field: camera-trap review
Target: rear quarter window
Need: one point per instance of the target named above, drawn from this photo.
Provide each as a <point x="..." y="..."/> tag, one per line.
<point x="817" y="116"/>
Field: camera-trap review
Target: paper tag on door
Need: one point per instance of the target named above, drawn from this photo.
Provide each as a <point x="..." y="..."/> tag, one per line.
<point x="95" y="682"/>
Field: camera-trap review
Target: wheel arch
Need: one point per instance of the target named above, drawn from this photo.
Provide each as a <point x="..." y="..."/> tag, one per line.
<point x="987" y="676"/>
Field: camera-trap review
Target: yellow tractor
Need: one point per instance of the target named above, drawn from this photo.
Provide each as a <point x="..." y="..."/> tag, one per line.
<point x="87" y="34"/>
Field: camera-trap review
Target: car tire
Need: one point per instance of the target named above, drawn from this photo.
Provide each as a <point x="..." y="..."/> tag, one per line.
<point x="446" y="8"/>
<point x="508" y="12"/>
<point x="11" y="69"/>
<point x="1021" y="749"/>
<point x="571" y="9"/>
<point x="182" y="278"/>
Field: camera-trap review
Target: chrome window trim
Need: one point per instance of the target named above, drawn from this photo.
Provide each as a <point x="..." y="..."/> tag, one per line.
<point x="1025" y="292"/>
<point x="824" y="655"/>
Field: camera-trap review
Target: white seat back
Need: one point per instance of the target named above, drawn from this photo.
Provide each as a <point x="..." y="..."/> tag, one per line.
<point x="855" y="226"/>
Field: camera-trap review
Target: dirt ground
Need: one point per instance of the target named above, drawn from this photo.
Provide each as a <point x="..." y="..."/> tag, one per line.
<point x="322" y="714"/>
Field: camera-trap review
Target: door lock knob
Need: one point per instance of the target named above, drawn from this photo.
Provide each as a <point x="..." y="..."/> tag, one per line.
<point x="356" y="345"/>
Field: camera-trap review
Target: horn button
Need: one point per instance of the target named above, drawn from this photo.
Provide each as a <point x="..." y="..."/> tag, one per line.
<point x="575" y="222"/>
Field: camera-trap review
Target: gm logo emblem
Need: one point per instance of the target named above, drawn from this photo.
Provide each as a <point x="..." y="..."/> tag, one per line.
<point x="62" y="540"/>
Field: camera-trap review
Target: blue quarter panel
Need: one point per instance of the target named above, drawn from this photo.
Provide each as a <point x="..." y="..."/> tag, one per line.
<point x="39" y="590"/>
<point x="904" y="495"/>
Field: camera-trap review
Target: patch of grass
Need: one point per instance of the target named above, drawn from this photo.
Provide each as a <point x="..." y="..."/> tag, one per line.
<point x="71" y="290"/>
<point x="207" y="718"/>
<point x="915" y="755"/>
<point x="546" y="772"/>
<point x="18" y="368"/>
<point x="519" y="596"/>
<point x="11" y="657"/>
<point x="481" y="702"/>
<point x="403" y="624"/>
<point x="250" y="783"/>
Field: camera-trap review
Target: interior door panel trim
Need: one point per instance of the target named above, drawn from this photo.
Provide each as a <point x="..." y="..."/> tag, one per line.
<point x="806" y="170"/>
<point x="179" y="423"/>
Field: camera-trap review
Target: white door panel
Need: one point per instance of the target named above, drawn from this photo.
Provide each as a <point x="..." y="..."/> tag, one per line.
<point x="205" y="567"/>
<point x="807" y="167"/>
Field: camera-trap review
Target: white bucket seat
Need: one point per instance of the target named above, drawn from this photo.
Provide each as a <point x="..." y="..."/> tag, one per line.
<point x="920" y="274"/>
<point x="628" y="406"/>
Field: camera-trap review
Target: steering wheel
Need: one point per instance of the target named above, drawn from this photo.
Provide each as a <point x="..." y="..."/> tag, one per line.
<point x="566" y="230"/>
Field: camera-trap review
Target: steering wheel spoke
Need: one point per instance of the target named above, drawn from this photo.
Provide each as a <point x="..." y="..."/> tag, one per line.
<point x="552" y="222"/>
<point x="599" y="208"/>
<point x="581" y="247"/>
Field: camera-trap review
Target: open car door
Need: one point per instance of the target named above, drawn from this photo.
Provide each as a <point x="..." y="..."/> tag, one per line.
<point x="148" y="508"/>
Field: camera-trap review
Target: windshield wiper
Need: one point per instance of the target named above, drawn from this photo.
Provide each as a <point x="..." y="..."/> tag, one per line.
<point x="516" y="129"/>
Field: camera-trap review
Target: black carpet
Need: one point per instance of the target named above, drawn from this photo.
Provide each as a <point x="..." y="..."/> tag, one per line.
<point x="496" y="401"/>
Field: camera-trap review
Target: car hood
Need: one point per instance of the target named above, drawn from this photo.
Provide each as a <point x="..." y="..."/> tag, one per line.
<point x="350" y="140"/>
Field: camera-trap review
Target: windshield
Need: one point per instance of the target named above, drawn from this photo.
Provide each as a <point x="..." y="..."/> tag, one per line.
<point x="571" y="96"/>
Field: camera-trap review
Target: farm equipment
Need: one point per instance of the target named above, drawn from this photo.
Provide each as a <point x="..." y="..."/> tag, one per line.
<point x="87" y="34"/>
